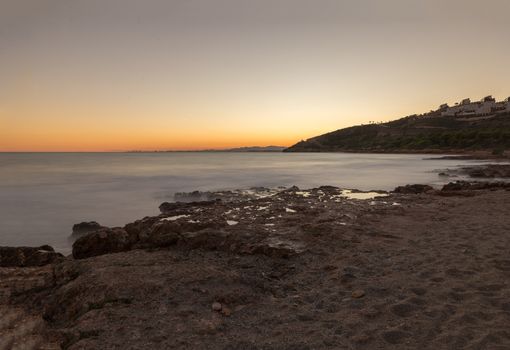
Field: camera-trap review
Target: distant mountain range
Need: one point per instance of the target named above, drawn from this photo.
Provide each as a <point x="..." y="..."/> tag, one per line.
<point x="257" y="149"/>
<point x="239" y="149"/>
<point x="246" y="149"/>
<point x="431" y="132"/>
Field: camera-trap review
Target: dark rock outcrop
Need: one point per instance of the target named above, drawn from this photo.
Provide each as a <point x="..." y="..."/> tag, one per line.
<point x="484" y="171"/>
<point x="83" y="228"/>
<point x="28" y="256"/>
<point x="470" y="186"/>
<point x="109" y="240"/>
<point x="413" y="189"/>
<point x="488" y="171"/>
<point x="178" y="208"/>
<point x="208" y="234"/>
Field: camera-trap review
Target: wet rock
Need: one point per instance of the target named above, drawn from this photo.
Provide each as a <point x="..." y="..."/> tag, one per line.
<point x="195" y="196"/>
<point x="28" y="256"/>
<point x="140" y="229"/>
<point x="470" y="186"/>
<point x="488" y="171"/>
<point x="85" y="227"/>
<point x="227" y="196"/>
<point x="413" y="189"/>
<point x="102" y="242"/>
<point x="291" y="189"/>
<point x="456" y="186"/>
<point x="329" y="189"/>
<point x="178" y="208"/>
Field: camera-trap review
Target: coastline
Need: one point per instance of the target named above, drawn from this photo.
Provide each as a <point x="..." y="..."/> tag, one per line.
<point x="413" y="268"/>
<point x="454" y="154"/>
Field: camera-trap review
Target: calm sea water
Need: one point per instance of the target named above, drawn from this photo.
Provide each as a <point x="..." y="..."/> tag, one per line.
<point x="43" y="194"/>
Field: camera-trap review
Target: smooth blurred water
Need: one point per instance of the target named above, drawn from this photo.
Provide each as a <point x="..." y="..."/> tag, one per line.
<point x="43" y="194"/>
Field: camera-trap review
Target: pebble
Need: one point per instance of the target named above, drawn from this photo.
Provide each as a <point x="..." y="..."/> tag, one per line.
<point x="358" y="294"/>
<point x="216" y="306"/>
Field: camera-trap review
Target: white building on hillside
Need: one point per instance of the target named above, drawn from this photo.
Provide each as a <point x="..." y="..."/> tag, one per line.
<point x="486" y="106"/>
<point x="465" y="107"/>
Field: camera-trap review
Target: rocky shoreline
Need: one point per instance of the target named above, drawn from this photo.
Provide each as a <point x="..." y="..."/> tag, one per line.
<point x="323" y="268"/>
<point x="486" y="171"/>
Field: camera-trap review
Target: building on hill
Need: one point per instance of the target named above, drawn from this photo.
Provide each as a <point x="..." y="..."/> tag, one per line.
<point x="485" y="106"/>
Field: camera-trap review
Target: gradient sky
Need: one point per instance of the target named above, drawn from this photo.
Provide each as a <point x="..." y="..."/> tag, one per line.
<point x="101" y="75"/>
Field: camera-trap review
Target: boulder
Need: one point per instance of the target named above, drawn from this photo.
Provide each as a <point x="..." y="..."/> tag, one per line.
<point x="413" y="189"/>
<point x="28" y="256"/>
<point x="85" y="227"/>
<point x="104" y="241"/>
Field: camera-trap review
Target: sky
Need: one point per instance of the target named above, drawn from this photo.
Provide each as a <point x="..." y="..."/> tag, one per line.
<point x="114" y="75"/>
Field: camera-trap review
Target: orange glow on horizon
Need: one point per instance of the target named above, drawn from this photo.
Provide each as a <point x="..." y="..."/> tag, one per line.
<point x="188" y="75"/>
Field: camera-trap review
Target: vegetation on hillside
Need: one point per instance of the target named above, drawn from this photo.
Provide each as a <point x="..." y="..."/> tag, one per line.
<point x="416" y="133"/>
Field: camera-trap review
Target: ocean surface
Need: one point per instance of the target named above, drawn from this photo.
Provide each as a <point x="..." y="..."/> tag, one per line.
<point x="43" y="194"/>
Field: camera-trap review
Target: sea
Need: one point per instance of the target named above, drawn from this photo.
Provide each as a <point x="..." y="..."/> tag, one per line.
<point x="43" y="194"/>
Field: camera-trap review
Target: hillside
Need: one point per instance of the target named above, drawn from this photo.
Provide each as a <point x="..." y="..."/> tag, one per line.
<point x="431" y="133"/>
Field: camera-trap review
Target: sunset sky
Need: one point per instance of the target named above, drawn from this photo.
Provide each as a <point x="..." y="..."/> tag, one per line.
<point x="111" y="75"/>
